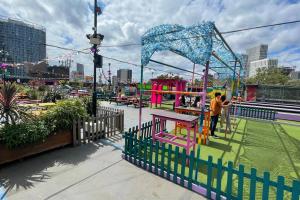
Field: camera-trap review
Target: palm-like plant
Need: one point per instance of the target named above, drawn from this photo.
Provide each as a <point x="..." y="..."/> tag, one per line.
<point x="10" y="112"/>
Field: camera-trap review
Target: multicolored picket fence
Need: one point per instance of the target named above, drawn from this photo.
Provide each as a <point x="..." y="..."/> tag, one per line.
<point x="213" y="180"/>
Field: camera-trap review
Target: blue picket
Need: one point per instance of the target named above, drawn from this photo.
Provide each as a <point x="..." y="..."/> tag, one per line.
<point x="145" y="145"/>
<point x="156" y="156"/>
<point x="296" y="190"/>
<point x="280" y="190"/>
<point x="163" y="151"/>
<point x="266" y="186"/>
<point x="252" y="184"/>
<point x="191" y="169"/>
<point x="229" y="180"/>
<point x="240" y="182"/>
<point x="197" y="164"/>
<point x="151" y="156"/>
<point x="169" y="161"/>
<point x="209" y="177"/>
<point x="176" y="164"/>
<point x="219" y="179"/>
<point x="183" y="163"/>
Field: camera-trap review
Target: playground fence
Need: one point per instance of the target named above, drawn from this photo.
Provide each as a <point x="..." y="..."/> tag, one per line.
<point x="249" y="112"/>
<point x="213" y="180"/>
<point x="108" y="122"/>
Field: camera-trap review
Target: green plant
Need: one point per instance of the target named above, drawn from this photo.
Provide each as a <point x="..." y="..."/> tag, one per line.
<point x="10" y="112"/>
<point x="62" y="115"/>
<point x="24" y="133"/>
<point x="52" y="96"/>
<point x="33" y="94"/>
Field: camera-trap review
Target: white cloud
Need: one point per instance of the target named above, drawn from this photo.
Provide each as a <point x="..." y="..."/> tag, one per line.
<point x="125" y="21"/>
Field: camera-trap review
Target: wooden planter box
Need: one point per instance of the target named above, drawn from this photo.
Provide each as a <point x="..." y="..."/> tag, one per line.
<point x="59" y="139"/>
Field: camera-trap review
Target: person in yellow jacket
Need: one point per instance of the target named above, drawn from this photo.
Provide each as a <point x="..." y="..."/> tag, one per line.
<point x="215" y="111"/>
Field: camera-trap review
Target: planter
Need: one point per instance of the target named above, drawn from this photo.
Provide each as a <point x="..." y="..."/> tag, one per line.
<point x="61" y="138"/>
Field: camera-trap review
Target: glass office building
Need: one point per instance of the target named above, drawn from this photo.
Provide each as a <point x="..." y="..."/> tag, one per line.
<point x="23" y="41"/>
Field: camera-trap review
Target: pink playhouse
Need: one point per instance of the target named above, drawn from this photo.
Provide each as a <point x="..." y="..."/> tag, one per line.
<point x="163" y="86"/>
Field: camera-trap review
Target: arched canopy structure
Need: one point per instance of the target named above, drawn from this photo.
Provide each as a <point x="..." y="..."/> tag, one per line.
<point x="199" y="43"/>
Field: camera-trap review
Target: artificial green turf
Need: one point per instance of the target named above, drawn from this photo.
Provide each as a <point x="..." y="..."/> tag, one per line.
<point x="255" y="144"/>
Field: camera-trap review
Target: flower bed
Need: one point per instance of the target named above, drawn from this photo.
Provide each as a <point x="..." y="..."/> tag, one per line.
<point x="54" y="140"/>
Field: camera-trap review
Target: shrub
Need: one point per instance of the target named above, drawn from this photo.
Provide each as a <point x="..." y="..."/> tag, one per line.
<point x="33" y="94"/>
<point x="62" y="115"/>
<point x="16" y="135"/>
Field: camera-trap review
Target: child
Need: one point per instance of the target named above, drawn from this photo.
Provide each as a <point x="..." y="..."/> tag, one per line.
<point x="215" y="111"/>
<point x="225" y="114"/>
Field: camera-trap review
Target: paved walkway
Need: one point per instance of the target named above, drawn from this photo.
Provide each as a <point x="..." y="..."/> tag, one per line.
<point x="92" y="171"/>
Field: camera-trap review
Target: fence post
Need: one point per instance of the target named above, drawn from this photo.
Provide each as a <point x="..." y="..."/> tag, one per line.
<point x="169" y="161"/>
<point x="151" y="155"/>
<point x="266" y="186"/>
<point x="252" y="184"/>
<point x="219" y="179"/>
<point x="156" y="156"/>
<point x="197" y="163"/>
<point x="176" y="164"/>
<point x="280" y="185"/>
<point x="145" y="142"/>
<point x="229" y="180"/>
<point x="163" y="151"/>
<point x="296" y="190"/>
<point x="183" y="163"/>
<point x="240" y="182"/>
<point x="191" y="169"/>
<point x="209" y="177"/>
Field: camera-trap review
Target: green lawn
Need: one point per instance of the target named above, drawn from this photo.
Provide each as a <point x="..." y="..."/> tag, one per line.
<point x="256" y="144"/>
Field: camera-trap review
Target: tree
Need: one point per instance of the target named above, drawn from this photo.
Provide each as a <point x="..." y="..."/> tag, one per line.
<point x="268" y="76"/>
<point x="10" y="112"/>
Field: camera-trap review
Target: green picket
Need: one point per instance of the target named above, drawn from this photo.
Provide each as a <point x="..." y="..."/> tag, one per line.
<point x="169" y="161"/>
<point x="183" y="163"/>
<point x="140" y="151"/>
<point x="240" y="182"/>
<point x="209" y="177"/>
<point x="229" y="180"/>
<point x="163" y="151"/>
<point x="296" y="190"/>
<point x="156" y="156"/>
<point x="266" y="186"/>
<point x="191" y="169"/>
<point x="176" y="164"/>
<point x="219" y="179"/>
<point x="280" y="190"/>
<point x="151" y="156"/>
<point x="252" y="184"/>
<point x="197" y="164"/>
<point x="145" y="144"/>
<point x="135" y="149"/>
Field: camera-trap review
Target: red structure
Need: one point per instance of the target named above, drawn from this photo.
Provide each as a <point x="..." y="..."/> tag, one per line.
<point x="158" y="85"/>
<point x="251" y="92"/>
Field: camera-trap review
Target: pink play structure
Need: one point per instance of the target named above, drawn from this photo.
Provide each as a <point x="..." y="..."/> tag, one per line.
<point x="157" y="86"/>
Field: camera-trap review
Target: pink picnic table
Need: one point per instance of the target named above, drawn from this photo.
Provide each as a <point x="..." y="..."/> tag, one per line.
<point x="189" y="121"/>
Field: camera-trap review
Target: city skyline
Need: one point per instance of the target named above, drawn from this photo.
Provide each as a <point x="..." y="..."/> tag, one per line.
<point x="122" y="26"/>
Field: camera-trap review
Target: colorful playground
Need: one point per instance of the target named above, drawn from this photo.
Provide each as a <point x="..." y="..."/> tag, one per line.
<point x="257" y="159"/>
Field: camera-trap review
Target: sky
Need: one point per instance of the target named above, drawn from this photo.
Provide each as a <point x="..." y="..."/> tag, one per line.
<point x="124" y="21"/>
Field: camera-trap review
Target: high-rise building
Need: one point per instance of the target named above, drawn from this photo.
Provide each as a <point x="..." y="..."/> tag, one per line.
<point x="255" y="53"/>
<point x="264" y="63"/>
<point x="124" y="76"/>
<point x="295" y="75"/>
<point x="23" y="41"/>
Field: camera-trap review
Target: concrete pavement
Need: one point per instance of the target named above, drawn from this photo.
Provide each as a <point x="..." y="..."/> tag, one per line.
<point x="91" y="171"/>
